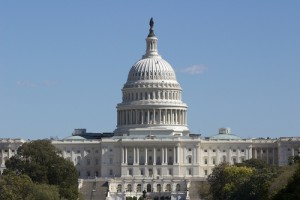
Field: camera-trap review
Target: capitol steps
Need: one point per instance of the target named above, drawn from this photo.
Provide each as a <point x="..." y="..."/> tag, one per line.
<point x="94" y="189"/>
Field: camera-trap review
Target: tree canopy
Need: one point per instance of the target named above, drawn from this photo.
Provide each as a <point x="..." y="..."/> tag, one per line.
<point x="292" y="189"/>
<point x="41" y="161"/>
<point x="249" y="180"/>
<point x="21" y="187"/>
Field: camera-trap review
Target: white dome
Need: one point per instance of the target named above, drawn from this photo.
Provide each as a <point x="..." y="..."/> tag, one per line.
<point x="153" y="68"/>
<point x="151" y="97"/>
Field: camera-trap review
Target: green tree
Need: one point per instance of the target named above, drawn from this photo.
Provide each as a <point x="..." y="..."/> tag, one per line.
<point x="43" y="192"/>
<point x="240" y="182"/>
<point x="292" y="190"/>
<point x="226" y="182"/>
<point x="41" y="161"/>
<point x="14" y="187"/>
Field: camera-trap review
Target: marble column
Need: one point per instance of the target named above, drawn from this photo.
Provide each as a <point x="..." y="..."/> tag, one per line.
<point x="154" y="156"/>
<point x="163" y="155"/>
<point x="134" y="155"/>
<point x="123" y="160"/>
<point x="126" y="156"/>
<point x="146" y="156"/>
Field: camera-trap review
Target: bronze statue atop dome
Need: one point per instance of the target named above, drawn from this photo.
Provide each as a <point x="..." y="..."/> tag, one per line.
<point x="151" y="23"/>
<point x="151" y="31"/>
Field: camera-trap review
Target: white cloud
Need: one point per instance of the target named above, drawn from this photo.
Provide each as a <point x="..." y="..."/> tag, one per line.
<point x="49" y="83"/>
<point x="31" y="84"/>
<point x="194" y="69"/>
<point x="27" y="84"/>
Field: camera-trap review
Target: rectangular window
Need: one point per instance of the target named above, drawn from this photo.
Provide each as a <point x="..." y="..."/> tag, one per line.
<point x="88" y="161"/>
<point x="110" y="172"/>
<point x="214" y="161"/>
<point x="130" y="172"/>
<point x="243" y="150"/>
<point x="234" y="150"/>
<point x="158" y="171"/>
<point x="205" y="150"/>
<point x="214" y="150"/>
<point x="190" y="171"/>
<point x="205" y="172"/>
<point x="142" y="171"/>
<point x="97" y="161"/>
<point x="205" y="161"/>
<point x="170" y="171"/>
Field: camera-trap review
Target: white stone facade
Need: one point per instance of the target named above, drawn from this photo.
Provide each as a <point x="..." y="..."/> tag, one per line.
<point x="8" y="148"/>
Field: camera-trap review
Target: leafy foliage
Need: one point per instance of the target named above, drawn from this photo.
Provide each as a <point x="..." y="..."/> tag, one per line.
<point x="43" y="192"/>
<point x="249" y="180"/>
<point x="292" y="190"/>
<point x="14" y="187"/>
<point x="40" y="160"/>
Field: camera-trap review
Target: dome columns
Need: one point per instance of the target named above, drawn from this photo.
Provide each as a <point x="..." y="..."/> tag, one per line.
<point x="161" y="116"/>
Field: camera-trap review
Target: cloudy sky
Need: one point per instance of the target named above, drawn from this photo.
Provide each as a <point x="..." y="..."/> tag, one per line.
<point x="63" y="63"/>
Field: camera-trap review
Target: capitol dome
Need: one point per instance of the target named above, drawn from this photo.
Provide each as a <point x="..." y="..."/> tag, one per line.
<point x="151" y="97"/>
<point x="154" y="68"/>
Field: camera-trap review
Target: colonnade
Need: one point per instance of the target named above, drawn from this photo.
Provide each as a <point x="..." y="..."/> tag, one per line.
<point x="160" y="156"/>
<point x="265" y="154"/>
<point x="151" y="95"/>
<point x="152" y="116"/>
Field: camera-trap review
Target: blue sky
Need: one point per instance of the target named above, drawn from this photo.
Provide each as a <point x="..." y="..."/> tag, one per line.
<point x="63" y="63"/>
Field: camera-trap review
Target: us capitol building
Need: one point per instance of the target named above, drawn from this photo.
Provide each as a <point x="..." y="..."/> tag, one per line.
<point x="152" y="149"/>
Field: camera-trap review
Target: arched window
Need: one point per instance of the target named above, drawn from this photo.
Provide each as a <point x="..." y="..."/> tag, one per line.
<point x="168" y="188"/>
<point x="119" y="188"/>
<point x="178" y="187"/>
<point x="139" y="188"/>
<point x="158" y="188"/>
<point x="129" y="188"/>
